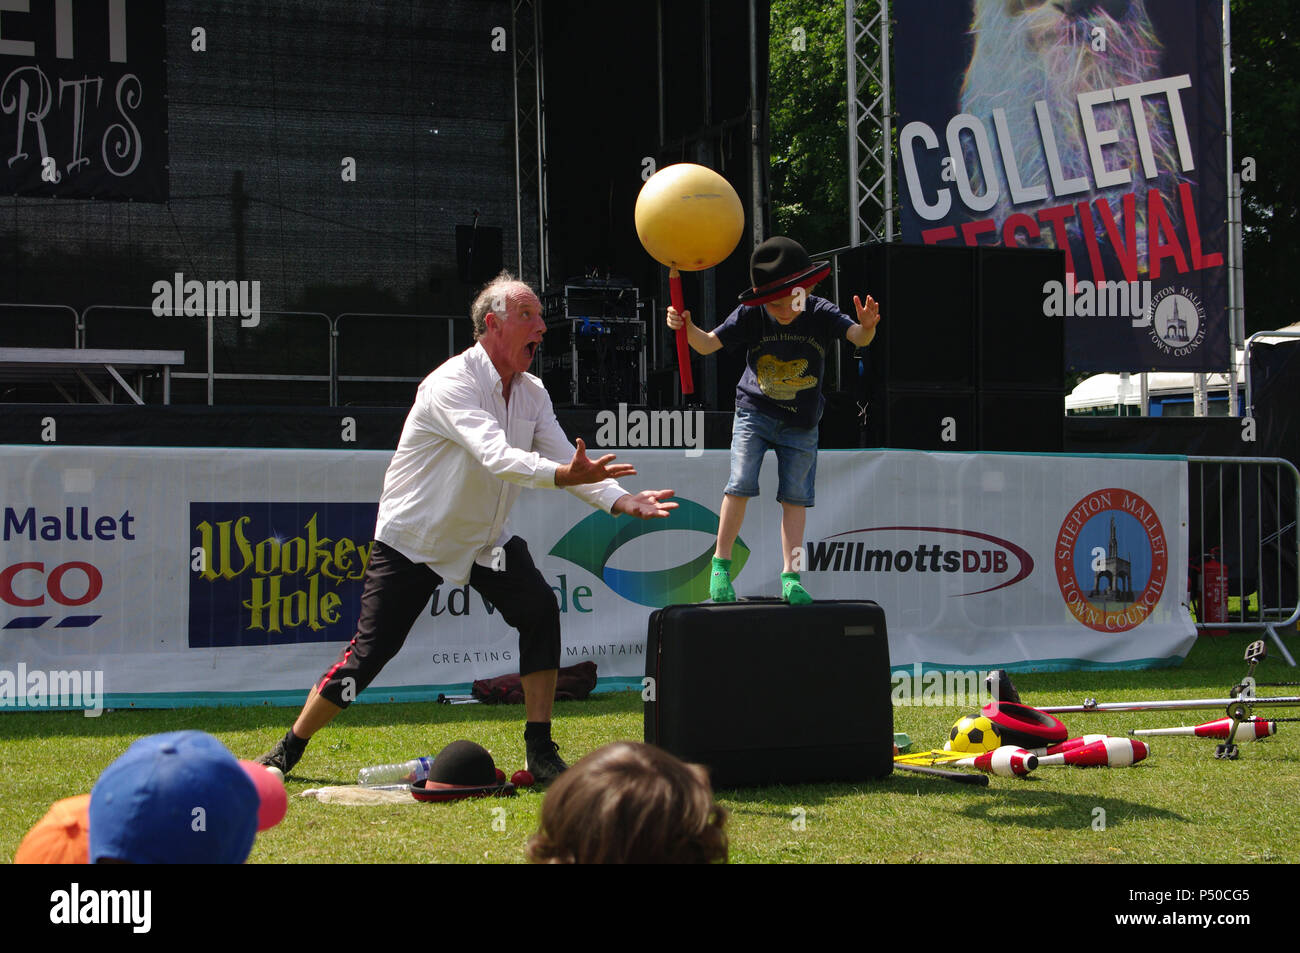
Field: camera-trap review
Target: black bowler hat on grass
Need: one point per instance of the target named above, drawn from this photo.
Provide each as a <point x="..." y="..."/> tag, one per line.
<point x="460" y="770"/>
<point x="777" y="267"/>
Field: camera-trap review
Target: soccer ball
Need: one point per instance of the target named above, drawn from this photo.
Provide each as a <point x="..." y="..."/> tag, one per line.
<point x="974" y="733"/>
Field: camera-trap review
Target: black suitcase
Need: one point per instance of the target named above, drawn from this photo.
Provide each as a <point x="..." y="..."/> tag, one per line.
<point x="763" y="692"/>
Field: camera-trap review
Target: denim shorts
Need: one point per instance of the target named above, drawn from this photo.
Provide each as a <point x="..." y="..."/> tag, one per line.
<point x="752" y="435"/>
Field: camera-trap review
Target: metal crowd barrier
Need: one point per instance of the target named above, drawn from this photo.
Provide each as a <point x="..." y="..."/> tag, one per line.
<point x="1242" y="514"/>
<point x="1262" y="337"/>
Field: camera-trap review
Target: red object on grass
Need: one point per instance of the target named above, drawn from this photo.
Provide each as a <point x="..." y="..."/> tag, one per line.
<point x="1024" y="726"/>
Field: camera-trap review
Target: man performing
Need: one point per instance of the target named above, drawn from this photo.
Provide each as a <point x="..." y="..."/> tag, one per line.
<point x="480" y="429"/>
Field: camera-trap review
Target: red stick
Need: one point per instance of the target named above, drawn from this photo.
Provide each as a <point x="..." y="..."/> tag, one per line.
<point x="683" y="346"/>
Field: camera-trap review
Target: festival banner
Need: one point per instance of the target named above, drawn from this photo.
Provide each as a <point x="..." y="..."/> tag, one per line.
<point x="83" y="100"/>
<point x="1094" y="128"/>
<point x="195" y="576"/>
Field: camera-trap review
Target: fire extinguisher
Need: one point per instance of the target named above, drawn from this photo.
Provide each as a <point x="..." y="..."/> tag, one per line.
<point x="1214" y="591"/>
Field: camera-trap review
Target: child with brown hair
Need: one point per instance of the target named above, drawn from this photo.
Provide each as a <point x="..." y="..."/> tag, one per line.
<point x="630" y="803"/>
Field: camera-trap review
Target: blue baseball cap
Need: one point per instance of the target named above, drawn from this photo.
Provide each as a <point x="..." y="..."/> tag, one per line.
<point x="174" y="798"/>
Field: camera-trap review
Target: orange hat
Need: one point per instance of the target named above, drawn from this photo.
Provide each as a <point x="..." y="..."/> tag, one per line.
<point x="62" y="836"/>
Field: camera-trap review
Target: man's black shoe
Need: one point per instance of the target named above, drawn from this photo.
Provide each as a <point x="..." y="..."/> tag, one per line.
<point x="543" y="761"/>
<point x="280" y="757"/>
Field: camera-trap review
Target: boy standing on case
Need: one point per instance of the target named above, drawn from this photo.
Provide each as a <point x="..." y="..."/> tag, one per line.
<point x="786" y="332"/>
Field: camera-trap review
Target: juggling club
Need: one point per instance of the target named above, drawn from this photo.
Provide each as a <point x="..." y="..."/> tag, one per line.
<point x="1251" y="730"/>
<point x="1109" y="752"/>
<point x="1006" y="762"/>
<point x="1069" y="744"/>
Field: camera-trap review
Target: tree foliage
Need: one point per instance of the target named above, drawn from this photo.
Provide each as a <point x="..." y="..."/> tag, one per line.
<point x="808" y="123"/>
<point x="1266" y="128"/>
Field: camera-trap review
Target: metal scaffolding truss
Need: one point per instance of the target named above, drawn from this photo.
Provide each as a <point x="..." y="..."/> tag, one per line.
<point x="530" y="142"/>
<point x="871" y="197"/>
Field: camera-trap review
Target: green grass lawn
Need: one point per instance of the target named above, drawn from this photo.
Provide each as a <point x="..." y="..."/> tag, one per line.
<point x="1180" y="806"/>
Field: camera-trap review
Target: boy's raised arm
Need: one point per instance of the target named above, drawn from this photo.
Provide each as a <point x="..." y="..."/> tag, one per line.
<point x="862" y="333"/>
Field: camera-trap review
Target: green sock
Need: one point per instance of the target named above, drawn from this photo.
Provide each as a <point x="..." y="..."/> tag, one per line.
<point x="792" y="592"/>
<point x="720" y="581"/>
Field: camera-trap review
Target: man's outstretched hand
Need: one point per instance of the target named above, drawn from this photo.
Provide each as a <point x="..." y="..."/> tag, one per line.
<point x="582" y="469"/>
<point x="646" y="505"/>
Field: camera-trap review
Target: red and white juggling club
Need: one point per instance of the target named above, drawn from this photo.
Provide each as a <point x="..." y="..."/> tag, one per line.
<point x="1108" y="753"/>
<point x="1006" y="762"/>
<point x="1069" y="744"/>
<point x="1251" y="730"/>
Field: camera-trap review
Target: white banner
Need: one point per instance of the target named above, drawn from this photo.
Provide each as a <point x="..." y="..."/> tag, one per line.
<point x="233" y="576"/>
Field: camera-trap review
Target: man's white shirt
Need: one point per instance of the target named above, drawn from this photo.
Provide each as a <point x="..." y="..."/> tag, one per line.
<point x="462" y="460"/>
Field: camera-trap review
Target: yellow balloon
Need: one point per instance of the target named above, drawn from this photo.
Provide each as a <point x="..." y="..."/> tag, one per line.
<point x="688" y="217"/>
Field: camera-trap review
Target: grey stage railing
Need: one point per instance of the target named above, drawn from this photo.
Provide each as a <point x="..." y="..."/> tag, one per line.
<point x="380" y="358"/>
<point x="1247" y="508"/>
<point x="301" y="357"/>
<point x="285" y="357"/>
<point x="38" y="325"/>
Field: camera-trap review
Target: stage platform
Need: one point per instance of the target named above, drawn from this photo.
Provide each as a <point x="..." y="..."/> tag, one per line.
<point x="378" y="428"/>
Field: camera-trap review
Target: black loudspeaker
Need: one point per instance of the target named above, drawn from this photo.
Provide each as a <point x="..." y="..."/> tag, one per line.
<point x="927" y="297"/>
<point x="931" y="419"/>
<point x="478" y="253"/>
<point x="1019" y="347"/>
<point x="841" y="422"/>
<point x="1028" y="421"/>
<point x="964" y="358"/>
<point x="1021" y="375"/>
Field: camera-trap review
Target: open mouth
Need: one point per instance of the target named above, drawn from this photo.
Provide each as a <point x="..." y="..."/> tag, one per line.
<point x="531" y="347"/>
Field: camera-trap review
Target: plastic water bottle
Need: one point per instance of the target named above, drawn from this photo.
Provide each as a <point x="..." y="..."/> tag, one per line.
<point x="417" y="769"/>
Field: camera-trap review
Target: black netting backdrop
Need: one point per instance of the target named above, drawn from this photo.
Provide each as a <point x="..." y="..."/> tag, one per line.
<point x="258" y="128"/>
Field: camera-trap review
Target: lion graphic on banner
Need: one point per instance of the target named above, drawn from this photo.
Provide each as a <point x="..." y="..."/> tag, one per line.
<point x="1048" y="50"/>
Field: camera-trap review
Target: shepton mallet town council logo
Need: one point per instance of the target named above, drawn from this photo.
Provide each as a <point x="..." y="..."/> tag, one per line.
<point x="1177" y="321"/>
<point x="1112" y="560"/>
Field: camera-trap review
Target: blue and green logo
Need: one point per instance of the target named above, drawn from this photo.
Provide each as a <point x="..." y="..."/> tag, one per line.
<point x="592" y="542"/>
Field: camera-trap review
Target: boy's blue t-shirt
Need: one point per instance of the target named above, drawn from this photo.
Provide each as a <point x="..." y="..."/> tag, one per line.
<point x="784" y="364"/>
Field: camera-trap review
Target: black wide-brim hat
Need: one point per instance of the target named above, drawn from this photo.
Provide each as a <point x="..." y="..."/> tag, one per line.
<point x="777" y="267"/>
<point x="460" y="770"/>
